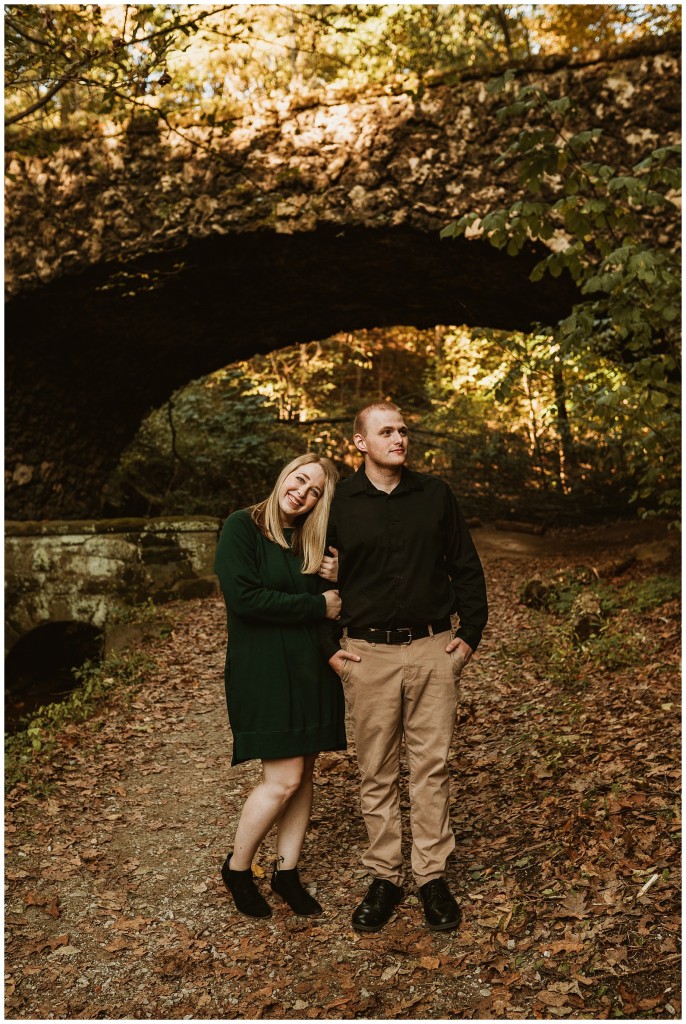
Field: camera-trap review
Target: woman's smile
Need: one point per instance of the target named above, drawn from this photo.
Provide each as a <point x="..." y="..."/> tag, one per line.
<point x="294" y="500"/>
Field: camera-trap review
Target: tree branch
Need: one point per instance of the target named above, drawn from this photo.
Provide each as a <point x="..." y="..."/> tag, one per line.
<point x="11" y="23"/>
<point x="42" y="102"/>
<point x="92" y="59"/>
<point x="177" y="27"/>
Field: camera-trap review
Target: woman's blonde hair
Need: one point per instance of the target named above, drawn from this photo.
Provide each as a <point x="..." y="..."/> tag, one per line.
<point x="309" y="532"/>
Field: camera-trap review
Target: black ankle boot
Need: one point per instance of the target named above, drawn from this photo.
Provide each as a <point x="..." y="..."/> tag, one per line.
<point x="288" y="886"/>
<point x="247" y="897"/>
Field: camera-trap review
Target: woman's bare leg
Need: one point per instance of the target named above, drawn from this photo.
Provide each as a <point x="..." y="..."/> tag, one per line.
<point x="295" y="817"/>
<point x="281" y="780"/>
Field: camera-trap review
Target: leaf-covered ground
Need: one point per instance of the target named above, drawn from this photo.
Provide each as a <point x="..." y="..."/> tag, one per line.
<point x="565" y="808"/>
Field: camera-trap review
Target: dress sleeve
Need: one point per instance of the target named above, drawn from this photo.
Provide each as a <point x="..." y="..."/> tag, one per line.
<point x="236" y="566"/>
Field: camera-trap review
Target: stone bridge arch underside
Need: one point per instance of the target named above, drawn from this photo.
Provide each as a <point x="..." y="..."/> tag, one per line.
<point x="137" y="264"/>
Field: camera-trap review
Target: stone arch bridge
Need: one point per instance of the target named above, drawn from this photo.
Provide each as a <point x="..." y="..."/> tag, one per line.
<point x="140" y="261"/>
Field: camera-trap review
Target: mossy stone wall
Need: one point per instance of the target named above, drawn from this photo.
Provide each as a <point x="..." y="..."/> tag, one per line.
<point x="95" y="571"/>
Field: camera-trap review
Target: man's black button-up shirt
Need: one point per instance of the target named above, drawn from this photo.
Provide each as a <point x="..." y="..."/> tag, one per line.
<point x="406" y="558"/>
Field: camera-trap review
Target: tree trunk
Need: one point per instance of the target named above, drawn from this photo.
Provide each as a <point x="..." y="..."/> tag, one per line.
<point x="565" y="447"/>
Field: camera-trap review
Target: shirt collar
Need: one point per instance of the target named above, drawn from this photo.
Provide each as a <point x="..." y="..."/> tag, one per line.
<point x="409" y="481"/>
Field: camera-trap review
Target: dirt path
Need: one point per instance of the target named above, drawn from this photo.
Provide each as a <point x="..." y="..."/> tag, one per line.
<point x="564" y="808"/>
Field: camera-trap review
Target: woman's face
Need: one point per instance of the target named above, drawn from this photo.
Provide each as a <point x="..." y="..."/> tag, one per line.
<point x="300" y="491"/>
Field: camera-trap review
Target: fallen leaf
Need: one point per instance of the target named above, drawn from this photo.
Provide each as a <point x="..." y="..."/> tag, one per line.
<point x="573" y="906"/>
<point x="566" y="945"/>
<point x="389" y="973"/>
<point x="130" y="924"/>
<point x="549" y="998"/>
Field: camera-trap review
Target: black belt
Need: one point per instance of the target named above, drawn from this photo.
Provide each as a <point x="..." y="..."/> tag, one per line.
<point x="400" y="635"/>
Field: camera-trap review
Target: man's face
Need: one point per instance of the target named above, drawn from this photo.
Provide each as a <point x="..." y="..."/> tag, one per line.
<point x="384" y="441"/>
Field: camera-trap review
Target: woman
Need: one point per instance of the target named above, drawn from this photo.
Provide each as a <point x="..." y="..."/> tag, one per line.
<point x="285" y="703"/>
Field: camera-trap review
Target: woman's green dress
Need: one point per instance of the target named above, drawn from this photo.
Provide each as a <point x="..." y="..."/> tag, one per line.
<point x="283" y="698"/>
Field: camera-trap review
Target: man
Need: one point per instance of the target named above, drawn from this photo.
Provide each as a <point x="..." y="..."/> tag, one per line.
<point x="406" y="563"/>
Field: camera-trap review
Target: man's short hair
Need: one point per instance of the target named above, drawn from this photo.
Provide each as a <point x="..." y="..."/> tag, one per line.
<point x="360" y="424"/>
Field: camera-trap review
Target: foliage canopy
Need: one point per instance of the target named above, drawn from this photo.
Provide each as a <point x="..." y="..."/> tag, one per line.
<point x="612" y="230"/>
<point x="75" y="66"/>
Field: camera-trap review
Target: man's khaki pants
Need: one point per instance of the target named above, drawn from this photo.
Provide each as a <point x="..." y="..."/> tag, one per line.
<point x="409" y="690"/>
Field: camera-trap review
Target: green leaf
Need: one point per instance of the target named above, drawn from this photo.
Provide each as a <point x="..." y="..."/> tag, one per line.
<point x="560" y="106"/>
<point x="583" y="139"/>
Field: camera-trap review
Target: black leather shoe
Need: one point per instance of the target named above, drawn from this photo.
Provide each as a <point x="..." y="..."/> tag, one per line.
<point x="288" y="886"/>
<point x="376" y="908"/>
<point x="247" y="897"/>
<point x="440" y="908"/>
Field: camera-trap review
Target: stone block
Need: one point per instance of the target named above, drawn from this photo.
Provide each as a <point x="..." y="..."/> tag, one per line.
<point x="101" y="567"/>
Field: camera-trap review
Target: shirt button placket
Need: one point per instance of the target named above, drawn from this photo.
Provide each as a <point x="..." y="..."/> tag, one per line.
<point x="396" y="545"/>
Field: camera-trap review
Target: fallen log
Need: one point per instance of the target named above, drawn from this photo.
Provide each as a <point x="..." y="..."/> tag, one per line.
<point x="615" y="566"/>
<point x="513" y="525"/>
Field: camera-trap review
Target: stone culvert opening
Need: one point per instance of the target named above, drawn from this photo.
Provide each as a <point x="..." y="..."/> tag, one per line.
<point x="39" y="669"/>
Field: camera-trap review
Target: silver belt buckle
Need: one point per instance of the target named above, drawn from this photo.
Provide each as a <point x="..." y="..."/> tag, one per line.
<point x="405" y="629"/>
